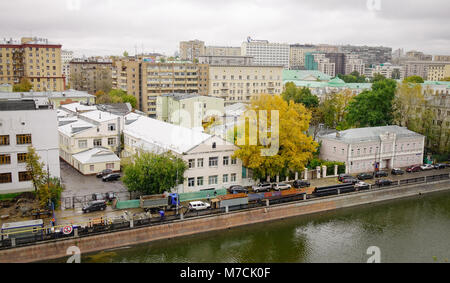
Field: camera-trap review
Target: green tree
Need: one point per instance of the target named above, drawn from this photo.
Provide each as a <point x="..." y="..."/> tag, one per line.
<point x="373" y="108"/>
<point x="300" y="95"/>
<point x="414" y="80"/>
<point x="151" y="173"/>
<point x="334" y="109"/>
<point x="125" y="53"/>
<point x="353" y="77"/>
<point x="50" y="190"/>
<point x="35" y="168"/>
<point x="377" y="77"/>
<point x="23" y="86"/>
<point x="447" y="79"/>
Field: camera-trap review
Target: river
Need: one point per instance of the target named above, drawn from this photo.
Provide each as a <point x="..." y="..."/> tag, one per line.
<point x="409" y="230"/>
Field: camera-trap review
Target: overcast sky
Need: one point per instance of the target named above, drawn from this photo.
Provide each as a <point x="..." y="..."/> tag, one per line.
<point x="108" y="27"/>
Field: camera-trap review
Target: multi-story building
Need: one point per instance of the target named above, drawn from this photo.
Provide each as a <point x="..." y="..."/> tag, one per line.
<point x="66" y="57"/>
<point x="370" y="55"/>
<point x="188" y="110"/>
<point x="414" y="55"/>
<point x="226" y="60"/>
<point x="242" y="83"/>
<point x="209" y="158"/>
<point x="222" y="51"/>
<point x="319" y="61"/>
<point x="191" y="50"/>
<point x="389" y="71"/>
<point x="91" y="75"/>
<point x="34" y="59"/>
<point x="265" y="53"/>
<point x="53" y="99"/>
<point x="416" y="68"/>
<point x="23" y="124"/>
<point x="438" y="71"/>
<point x="439" y="58"/>
<point x="297" y="53"/>
<point x="148" y="80"/>
<point x="339" y="62"/>
<point x="353" y="63"/>
<point x="368" y="149"/>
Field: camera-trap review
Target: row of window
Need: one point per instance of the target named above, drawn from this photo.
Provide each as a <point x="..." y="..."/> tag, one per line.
<point x="7" y="177"/>
<point x="232" y="77"/>
<point x="213" y="162"/>
<point x="6" y="158"/>
<point x="212" y="180"/>
<point x="97" y="142"/>
<point x="20" y="139"/>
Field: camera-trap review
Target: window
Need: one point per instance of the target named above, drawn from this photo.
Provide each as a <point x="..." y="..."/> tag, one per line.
<point x="233" y="177"/>
<point x="109" y="165"/>
<point x="5" y="178"/>
<point x="21" y="157"/>
<point x="199" y="181"/>
<point x="23" y="139"/>
<point x="212" y="180"/>
<point x="200" y="162"/>
<point x="5" y="159"/>
<point x="191" y="163"/>
<point x="233" y="161"/>
<point x="225" y="178"/>
<point x="4" y="140"/>
<point x="191" y="182"/>
<point x="214" y="145"/>
<point x="226" y="160"/>
<point x="82" y="143"/>
<point x="98" y="142"/>
<point x="24" y="176"/>
<point x="213" y="161"/>
<point x="111" y="141"/>
<point x="92" y="168"/>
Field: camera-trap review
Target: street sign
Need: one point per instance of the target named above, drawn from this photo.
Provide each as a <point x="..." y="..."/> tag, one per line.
<point x="67" y="229"/>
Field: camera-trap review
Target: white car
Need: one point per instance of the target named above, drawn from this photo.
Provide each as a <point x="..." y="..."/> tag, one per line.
<point x="427" y="167"/>
<point x="199" y="205"/>
<point x="281" y="186"/>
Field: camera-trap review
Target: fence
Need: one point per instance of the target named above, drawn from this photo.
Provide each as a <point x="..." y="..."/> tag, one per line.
<point x="72" y="202"/>
<point x="141" y="220"/>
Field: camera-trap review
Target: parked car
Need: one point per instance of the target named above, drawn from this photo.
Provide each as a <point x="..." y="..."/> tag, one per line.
<point x="343" y="176"/>
<point x="426" y="167"/>
<point x="379" y="174"/>
<point x="262" y="187"/>
<point x="397" y="171"/>
<point x="362" y="186"/>
<point x="383" y="182"/>
<point x="237" y="190"/>
<point x="94" y="206"/>
<point x="111" y="177"/>
<point x="110" y="196"/>
<point x="365" y="176"/>
<point x="301" y="184"/>
<point x="413" y="168"/>
<point x="281" y="186"/>
<point x="104" y="173"/>
<point x="350" y="181"/>
<point x="441" y="166"/>
<point x="199" y="205"/>
<point x="98" y="196"/>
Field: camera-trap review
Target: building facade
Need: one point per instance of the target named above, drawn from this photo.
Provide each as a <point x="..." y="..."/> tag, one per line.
<point x="438" y="71"/>
<point x="34" y="59"/>
<point x="371" y="55"/>
<point x="226" y="60"/>
<point x="23" y="125"/>
<point x="297" y="53"/>
<point x="66" y="57"/>
<point x="191" y="50"/>
<point x="242" y="83"/>
<point x="91" y="75"/>
<point x="53" y="99"/>
<point x="389" y="71"/>
<point x="265" y="53"/>
<point x="338" y="59"/>
<point x="222" y="51"/>
<point x="353" y="63"/>
<point x="369" y="149"/>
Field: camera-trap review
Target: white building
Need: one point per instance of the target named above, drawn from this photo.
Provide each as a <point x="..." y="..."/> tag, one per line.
<point x="209" y="160"/>
<point x="23" y="125"/>
<point x="389" y="71"/>
<point x="66" y="57"/>
<point x="265" y="53"/>
<point x="353" y="63"/>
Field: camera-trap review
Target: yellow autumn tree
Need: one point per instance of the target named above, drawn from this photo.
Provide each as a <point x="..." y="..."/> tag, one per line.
<point x="272" y="137"/>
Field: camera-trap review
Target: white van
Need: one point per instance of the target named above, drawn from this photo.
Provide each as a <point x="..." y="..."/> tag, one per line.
<point x="198" y="205"/>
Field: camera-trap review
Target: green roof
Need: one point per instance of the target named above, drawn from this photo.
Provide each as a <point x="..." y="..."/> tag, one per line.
<point x="300" y="75"/>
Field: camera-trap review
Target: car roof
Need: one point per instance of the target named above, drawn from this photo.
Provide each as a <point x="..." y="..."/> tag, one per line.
<point x="196" y="202"/>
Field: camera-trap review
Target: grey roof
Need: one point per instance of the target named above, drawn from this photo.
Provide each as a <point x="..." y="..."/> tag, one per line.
<point x="14" y="105"/>
<point x="180" y="96"/>
<point x="50" y="94"/>
<point x="120" y="109"/>
<point x="369" y="134"/>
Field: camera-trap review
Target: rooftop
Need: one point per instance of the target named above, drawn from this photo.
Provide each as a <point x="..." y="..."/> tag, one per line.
<point x="301" y="75"/>
<point x="78" y="107"/>
<point x="96" y="155"/>
<point x="75" y="127"/>
<point x="49" y="94"/>
<point x="369" y="134"/>
<point x="99" y="116"/>
<point x="14" y="105"/>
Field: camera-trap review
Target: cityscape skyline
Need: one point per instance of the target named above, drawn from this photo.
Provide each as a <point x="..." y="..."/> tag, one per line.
<point x="120" y="27"/>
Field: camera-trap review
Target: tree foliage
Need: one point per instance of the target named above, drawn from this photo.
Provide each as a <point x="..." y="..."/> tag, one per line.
<point x="152" y="173"/>
<point x="23" y="86"/>
<point x="115" y="96"/>
<point x="353" y="77"/>
<point x="50" y="190"/>
<point x="295" y="148"/>
<point x="300" y="95"/>
<point x="414" y="80"/>
<point x="373" y="107"/>
<point x="35" y="168"/>
<point x="334" y="109"/>
<point x="377" y="77"/>
<point x="408" y="104"/>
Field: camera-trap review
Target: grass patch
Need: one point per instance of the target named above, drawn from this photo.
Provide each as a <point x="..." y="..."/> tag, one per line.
<point x="9" y="196"/>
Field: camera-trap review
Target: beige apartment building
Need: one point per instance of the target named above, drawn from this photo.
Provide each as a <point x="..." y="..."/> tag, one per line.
<point x="192" y="49"/>
<point x="242" y="83"/>
<point x="148" y="80"/>
<point x="34" y="59"/>
<point x="440" y="58"/>
<point x="222" y="51"/>
<point x="297" y="55"/>
<point x="438" y="71"/>
<point x="91" y="75"/>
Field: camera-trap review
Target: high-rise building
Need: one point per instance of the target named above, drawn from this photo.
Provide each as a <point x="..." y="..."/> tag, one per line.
<point x="34" y="59"/>
<point x="191" y="50"/>
<point x="339" y="62"/>
<point x="418" y="56"/>
<point x="389" y="71"/>
<point x="91" y="75"/>
<point x="440" y="58"/>
<point x="226" y="60"/>
<point x="147" y="80"/>
<point x="371" y="55"/>
<point x="319" y="61"/>
<point x="297" y="53"/>
<point x="66" y="57"/>
<point x="265" y="53"/>
<point x="353" y="63"/>
<point x="222" y="51"/>
<point x="438" y="71"/>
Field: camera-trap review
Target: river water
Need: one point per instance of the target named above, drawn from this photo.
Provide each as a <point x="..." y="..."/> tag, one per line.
<point x="409" y="230"/>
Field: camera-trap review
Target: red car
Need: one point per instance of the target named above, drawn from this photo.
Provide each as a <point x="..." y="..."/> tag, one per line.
<point x="413" y="168"/>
